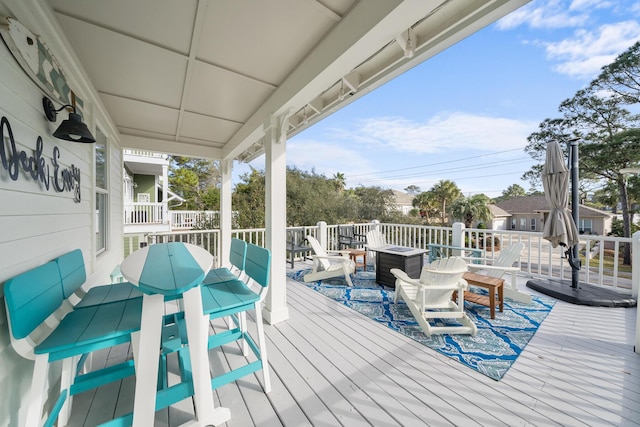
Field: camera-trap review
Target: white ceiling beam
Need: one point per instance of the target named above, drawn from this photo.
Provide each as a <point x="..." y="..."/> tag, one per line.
<point x="170" y="147"/>
<point x="191" y="60"/>
<point x="352" y="40"/>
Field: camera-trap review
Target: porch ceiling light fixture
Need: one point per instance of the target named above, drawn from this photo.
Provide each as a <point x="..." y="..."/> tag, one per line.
<point x="72" y="129"/>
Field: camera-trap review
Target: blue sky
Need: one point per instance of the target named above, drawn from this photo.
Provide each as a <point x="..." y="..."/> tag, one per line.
<point x="465" y="114"/>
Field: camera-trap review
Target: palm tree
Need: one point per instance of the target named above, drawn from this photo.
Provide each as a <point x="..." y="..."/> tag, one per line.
<point x="426" y="203"/>
<point x="339" y="181"/>
<point x="445" y="191"/>
<point x="471" y="208"/>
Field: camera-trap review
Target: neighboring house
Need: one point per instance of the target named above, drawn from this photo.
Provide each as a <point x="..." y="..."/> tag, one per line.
<point x="403" y="202"/>
<point x="530" y="212"/>
<point x="145" y="193"/>
<point x="500" y="219"/>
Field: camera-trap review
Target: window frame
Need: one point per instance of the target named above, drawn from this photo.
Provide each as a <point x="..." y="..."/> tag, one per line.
<point x="101" y="194"/>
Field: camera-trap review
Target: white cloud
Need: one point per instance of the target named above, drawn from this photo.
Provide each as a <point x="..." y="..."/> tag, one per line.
<point x="444" y="132"/>
<point x="547" y="14"/>
<point x="587" y="51"/>
<point x="326" y="157"/>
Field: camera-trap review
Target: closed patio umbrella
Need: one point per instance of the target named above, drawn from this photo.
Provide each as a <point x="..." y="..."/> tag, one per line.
<point x="559" y="229"/>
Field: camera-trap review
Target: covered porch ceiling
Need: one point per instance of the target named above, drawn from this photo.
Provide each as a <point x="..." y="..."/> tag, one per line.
<point x="202" y="78"/>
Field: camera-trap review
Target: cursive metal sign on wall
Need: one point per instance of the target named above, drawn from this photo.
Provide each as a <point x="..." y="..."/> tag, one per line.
<point x="36" y="165"/>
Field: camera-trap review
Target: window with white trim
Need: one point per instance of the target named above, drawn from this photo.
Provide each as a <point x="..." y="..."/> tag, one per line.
<point x="102" y="193"/>
<point x="586" y="226"/>
<point x="533" y="224"/>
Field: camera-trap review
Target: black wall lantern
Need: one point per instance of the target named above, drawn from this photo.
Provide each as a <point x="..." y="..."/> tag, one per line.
<point x="72" y="129"/>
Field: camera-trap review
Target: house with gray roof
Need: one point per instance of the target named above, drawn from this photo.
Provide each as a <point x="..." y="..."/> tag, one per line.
<point x="530" y="212"/>
<point x="403" y="202"/>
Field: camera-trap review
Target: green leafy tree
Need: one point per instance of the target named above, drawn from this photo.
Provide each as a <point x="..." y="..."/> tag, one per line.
<point x="373" y="203"/>
<point x="339" y="181"/>
<point x="622" y="76"/>
<point x="607" y="196"/>
<point x="511" y="192"/>
<point x="548" y="130"/>
<point x="445" y="192"/>
<point x="427" y="205"/>
<point x="248" y="200"/>
<point x="470" y="209"/>
<point x="193" y="180"/>
<point x="413" y="190"/>
<point x="184" y="182"/>
<point x="608" y="141"/>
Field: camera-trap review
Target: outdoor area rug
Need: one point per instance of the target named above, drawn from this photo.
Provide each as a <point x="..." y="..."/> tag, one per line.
<point x="491" y="352"/>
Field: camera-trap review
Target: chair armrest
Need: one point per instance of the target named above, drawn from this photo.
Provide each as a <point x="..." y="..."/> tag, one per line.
<point x="399" y="274"/>
<point x="444" y="272"/>
<point x="342" y="253"/>
<point x="477" y="267"/>
<point x="331" y="257"/>
<point x="455" y="286"/>
<point x="471" y="259"/>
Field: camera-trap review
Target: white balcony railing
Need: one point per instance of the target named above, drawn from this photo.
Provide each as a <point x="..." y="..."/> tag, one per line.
<point x="601" y="266"/>
<point x="143" y="213"/>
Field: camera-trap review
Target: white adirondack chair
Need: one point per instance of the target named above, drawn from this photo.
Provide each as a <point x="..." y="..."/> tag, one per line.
<point x="500" y="266"/>
<point x="329" y="264"/>
<point x="375" y="239"/>
<point x="430" y="297"/>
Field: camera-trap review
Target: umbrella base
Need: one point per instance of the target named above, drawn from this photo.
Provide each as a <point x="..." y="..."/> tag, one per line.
<point x="584" y="294"/>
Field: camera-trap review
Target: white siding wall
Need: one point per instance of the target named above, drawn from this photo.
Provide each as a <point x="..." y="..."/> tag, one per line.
<point x="38" y="224"/>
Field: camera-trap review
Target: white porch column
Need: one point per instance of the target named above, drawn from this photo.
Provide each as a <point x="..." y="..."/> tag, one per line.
<point x="165" y="195"/>
<point x="457" y="237"/>
<point x="322" y="234"/>
<point x="635" y="282"/>
<point x="226" y="212"/>
<point x="276" y="309"/>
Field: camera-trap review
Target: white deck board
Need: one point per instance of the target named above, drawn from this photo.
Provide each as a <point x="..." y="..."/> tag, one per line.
<point x="332" y="366"/>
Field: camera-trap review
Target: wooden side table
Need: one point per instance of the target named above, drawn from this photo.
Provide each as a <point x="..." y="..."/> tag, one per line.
<point x="355" y="253"/>
<point x="490" y="283"/>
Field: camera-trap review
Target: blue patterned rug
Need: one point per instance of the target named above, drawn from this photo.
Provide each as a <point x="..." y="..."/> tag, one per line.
<point x="491" y="352"/>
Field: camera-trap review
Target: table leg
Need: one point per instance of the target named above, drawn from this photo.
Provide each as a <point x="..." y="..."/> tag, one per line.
<point x="501" y="297"/>
<point x="492" y="301"/>
<point x="197" y="334"/>
<point x="146" y="357"/>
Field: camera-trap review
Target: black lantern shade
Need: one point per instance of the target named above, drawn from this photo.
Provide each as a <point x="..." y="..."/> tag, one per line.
<point x="72" y="129"/>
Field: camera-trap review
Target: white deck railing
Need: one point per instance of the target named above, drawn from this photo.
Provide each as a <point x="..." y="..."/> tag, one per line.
<point x="541" y="260"/>
<point x="184" y="220"/>
<point x="538" y="259"/>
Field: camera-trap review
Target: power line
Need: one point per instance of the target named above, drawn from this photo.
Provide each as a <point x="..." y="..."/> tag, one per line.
<point x="449" y="171"/>
<point x="439" y="163"/>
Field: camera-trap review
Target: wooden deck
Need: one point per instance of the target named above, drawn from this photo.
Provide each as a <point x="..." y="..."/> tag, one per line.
<point x="332" y="366"/>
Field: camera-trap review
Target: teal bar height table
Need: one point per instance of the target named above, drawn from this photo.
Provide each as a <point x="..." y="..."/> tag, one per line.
<point x="171" y="270"/>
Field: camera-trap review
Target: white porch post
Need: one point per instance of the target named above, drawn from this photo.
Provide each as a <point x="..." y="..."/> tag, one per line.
<point x="457" y="237"/>
<point x="322" y="236"/>
<point x="276" y="309"/>
<point x="165" y="195"/>
<point x="226" y="212"/>
<point x="635" y="282"/>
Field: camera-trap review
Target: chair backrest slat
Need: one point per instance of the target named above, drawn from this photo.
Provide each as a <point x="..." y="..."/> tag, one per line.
<point x="509" y="255"/>
<point x="319" y="250"/>
<point x="72" y="271"/>
<point x="238" y="254"/>
<point x="258" y="264"/>
<point x="31" y="297"/>
<point x="375" y="239"/>
<point x="443" y="271"/>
